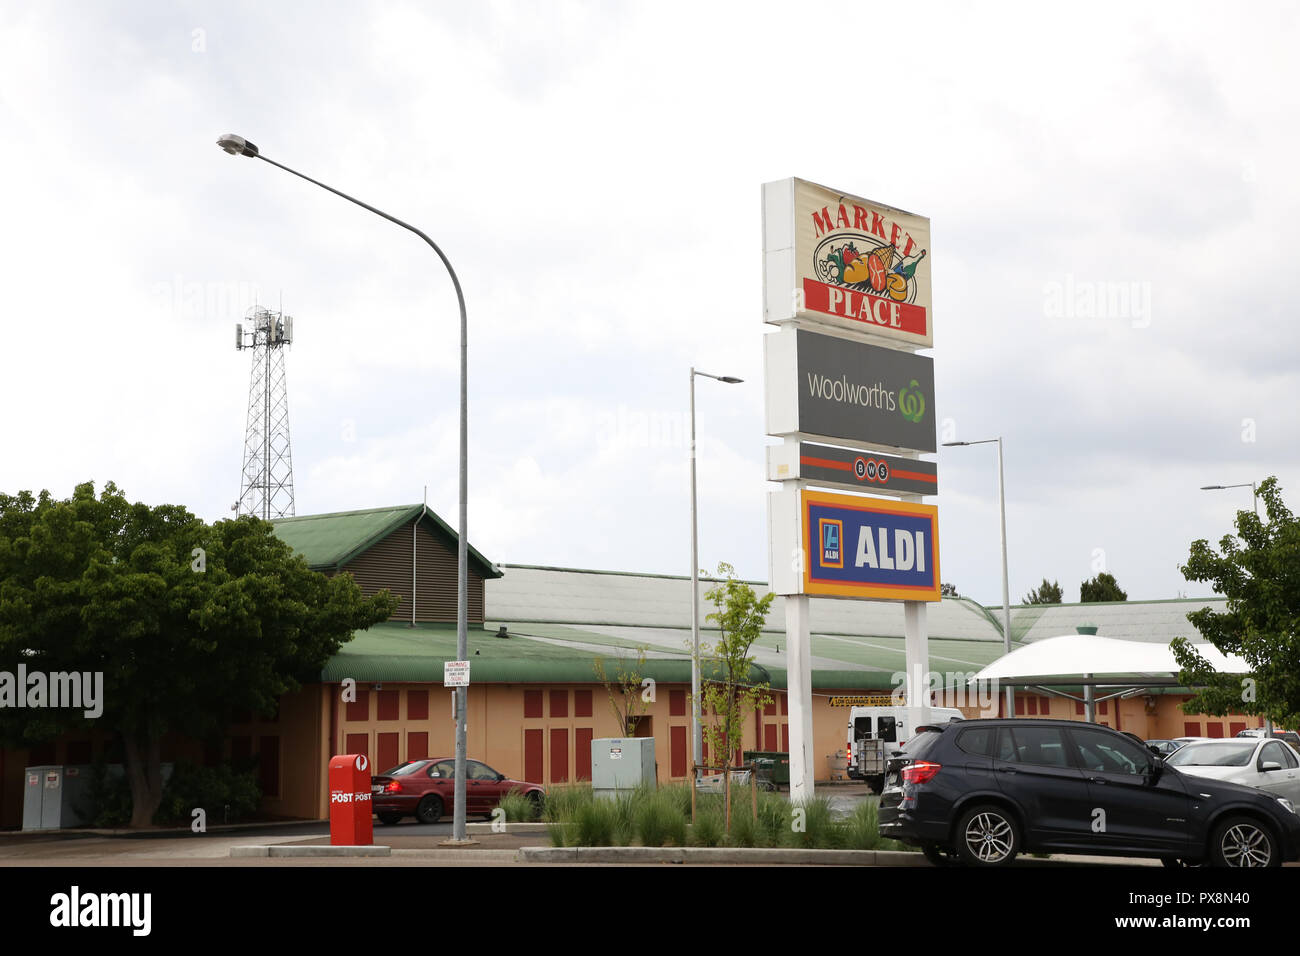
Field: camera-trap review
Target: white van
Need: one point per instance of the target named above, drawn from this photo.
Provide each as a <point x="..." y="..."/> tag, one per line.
<point x="874" y="732"/>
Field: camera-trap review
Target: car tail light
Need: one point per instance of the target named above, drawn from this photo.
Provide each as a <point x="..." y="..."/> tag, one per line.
<point x="920" y="772"/>
<point x="393" y="786"/>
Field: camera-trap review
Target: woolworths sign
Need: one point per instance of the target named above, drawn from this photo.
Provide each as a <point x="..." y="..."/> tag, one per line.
<point x="842" y="390"/>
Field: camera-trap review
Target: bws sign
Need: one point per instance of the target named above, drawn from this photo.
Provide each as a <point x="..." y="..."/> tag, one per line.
<point x="840" y="390"/>
<point x="854" y="547"/>
<point x="846" y="262"/>
<point x="845" y="467"/>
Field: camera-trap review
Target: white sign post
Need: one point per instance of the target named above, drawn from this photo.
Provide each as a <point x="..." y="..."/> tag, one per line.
<point x="844" y="276"/>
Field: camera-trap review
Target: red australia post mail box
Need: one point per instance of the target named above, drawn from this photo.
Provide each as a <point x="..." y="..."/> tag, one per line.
<point x="350" y="806"/>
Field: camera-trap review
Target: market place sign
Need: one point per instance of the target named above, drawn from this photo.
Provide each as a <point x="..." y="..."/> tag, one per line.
<point x="846" y="262"/>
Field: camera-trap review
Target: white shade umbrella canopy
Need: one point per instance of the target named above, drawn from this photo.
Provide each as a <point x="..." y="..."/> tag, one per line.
<point x="1058" y="659"/>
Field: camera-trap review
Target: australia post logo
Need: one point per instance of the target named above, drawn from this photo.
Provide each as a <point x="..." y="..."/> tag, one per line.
<point x="866" y="267"/>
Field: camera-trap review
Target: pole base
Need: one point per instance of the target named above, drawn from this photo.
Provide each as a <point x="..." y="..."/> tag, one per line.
<point x="454" y="844"/>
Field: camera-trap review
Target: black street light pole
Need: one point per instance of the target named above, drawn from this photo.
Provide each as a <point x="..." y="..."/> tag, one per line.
<point x="238" y="146"/>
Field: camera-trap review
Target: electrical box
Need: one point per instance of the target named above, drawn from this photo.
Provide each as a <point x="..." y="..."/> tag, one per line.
<point x="56" y="797"/>
<point x="621" y="764"/>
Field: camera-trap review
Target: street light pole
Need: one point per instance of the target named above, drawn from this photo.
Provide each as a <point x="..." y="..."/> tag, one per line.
<point x="1006" y="583"/>
<point x="1254" y="492"/>
<point x="697" y="729"/>
<point x="238" y="146"/>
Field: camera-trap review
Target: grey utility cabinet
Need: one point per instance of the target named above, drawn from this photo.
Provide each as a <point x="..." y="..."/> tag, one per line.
<point x="54" y="796"/>
<point x="621" y="764"/>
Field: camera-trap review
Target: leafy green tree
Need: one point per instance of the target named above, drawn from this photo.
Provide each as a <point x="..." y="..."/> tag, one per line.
<point x="1049" y="592"/>
<point x="186" y="621"/>
<point x="1258" y="571"/>
<point x="1103" y="587"/>
<point x="948" y="590"/>
<point x="728" y="695"/>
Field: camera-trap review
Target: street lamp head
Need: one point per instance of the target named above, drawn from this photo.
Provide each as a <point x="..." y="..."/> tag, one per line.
<point x="730" y="380"/>
<point x="1211" y="487"/>
<point x="954" y="444"/>
<point x="236" y="145"/>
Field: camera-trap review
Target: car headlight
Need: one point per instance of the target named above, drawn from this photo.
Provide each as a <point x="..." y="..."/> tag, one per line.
<point x="1286" y="804"/>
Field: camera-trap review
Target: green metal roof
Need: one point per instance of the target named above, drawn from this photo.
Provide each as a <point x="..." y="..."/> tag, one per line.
<point x="550" y="653"/>
<point x="329" y="541"/>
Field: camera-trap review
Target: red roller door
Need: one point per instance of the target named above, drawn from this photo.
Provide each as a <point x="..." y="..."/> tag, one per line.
<point x="582" y="753"/>
<point x="417" y="705"/>
<point x="533" y="771"/>
<point x="417" y="745"/>
<point x="677" y="751"/>
<point x="559" y="755"/>
<point x="357" y="744"/>
<point x="386" y="747"/>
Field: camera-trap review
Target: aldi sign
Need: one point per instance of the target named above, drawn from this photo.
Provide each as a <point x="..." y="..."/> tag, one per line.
<point x="846" y="262"/>
<point x="855" y="547"/>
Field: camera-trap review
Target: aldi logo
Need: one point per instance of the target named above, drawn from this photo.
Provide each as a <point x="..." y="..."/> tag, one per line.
<point x="831" y="533"/>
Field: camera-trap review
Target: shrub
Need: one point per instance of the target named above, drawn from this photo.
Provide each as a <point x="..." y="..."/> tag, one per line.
<point x="106" y="801"/>
<point x="820" y="831"/>
<point x="710" y="826"/>
<point x="595" y="823"/>
<point x="562" y="803"/>
<point x="862" y="828"/>
<point x="774" y="821"/>
<point x="659" y="820"/>
<point x="518" y="807"/>
<point x="212" y="788"/>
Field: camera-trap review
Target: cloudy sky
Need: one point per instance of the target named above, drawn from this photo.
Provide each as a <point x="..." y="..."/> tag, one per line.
<point x="593" y="171"/>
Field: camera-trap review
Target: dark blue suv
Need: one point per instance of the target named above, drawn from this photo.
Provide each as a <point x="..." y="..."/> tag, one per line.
<point x="981" y="791"/>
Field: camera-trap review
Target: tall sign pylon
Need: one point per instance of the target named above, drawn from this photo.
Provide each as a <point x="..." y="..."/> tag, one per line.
<point x="266" y="481"/>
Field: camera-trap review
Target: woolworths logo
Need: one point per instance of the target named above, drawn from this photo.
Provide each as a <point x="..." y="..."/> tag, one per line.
<point x="842" y="390"/>
<point x="911" y="402"/>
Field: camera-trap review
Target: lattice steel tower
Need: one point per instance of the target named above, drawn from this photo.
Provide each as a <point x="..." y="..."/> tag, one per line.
<point x="266" y="483"/>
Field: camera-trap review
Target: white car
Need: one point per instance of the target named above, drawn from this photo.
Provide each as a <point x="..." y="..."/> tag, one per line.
<point x="1268" y="765"/>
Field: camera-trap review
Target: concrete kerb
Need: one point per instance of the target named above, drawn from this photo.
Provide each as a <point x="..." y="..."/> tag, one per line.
<point x="764" y="856"/>
<point x="315" y="851"/>
<point x="506" y="828"/>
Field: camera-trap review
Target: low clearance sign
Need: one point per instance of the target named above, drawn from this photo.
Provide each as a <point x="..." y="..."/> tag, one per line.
<point x="847" y="262"/>
<point x="870" y="547"/>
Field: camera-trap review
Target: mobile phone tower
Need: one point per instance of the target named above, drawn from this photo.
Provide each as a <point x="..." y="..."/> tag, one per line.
<point x="266" y="482"/>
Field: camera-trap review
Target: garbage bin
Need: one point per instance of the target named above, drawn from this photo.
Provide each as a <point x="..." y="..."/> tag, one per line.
<point x="780" y="764"/>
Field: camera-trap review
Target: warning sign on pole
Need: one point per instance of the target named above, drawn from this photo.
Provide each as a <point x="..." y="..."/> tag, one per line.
<point x="455" y="673"/>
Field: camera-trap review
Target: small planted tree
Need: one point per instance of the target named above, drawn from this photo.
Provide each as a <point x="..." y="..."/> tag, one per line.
<point x="626" y="689"/>
<point x="728" y="694"/>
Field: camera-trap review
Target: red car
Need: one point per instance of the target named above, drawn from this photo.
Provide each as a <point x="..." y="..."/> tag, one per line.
<point x="426" y="789"/>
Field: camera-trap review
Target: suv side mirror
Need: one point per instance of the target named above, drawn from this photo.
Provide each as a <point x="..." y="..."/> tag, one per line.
<point x="1268" y="765"/>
